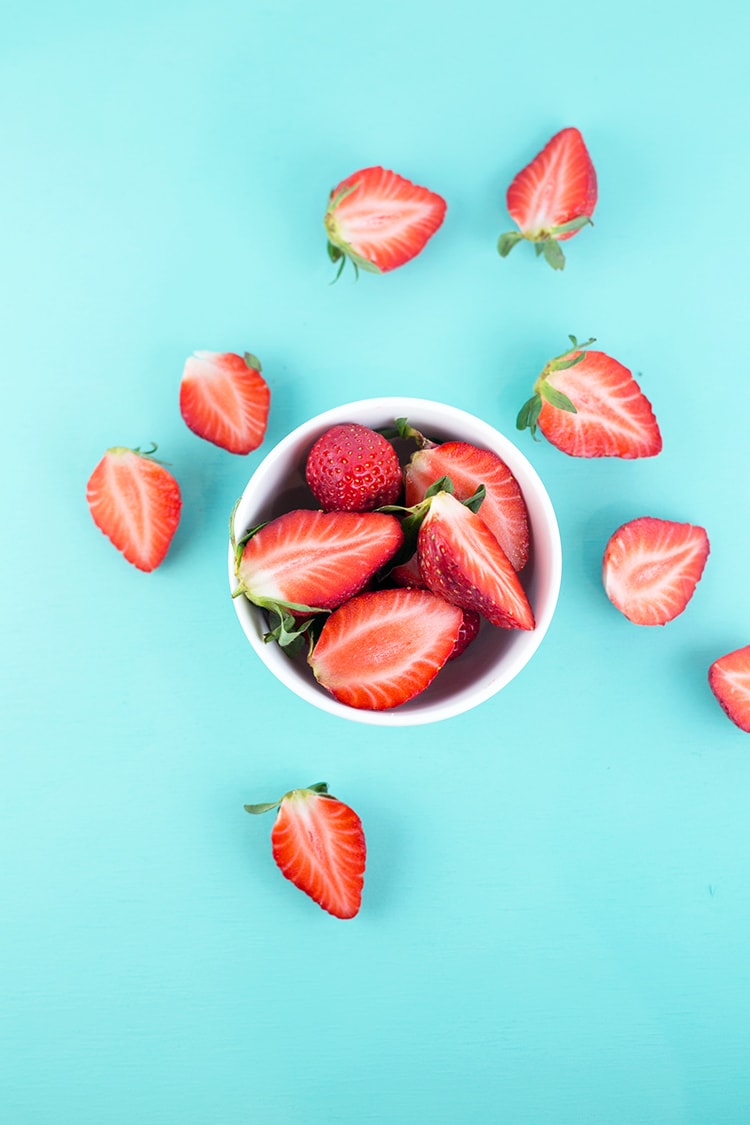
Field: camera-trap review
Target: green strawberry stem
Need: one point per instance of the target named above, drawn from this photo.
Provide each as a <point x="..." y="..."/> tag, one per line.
<point x="528" y="415"/>
<point x="293" y="635"/>
<point x="402" y="429"/>
<point x="267" y="806"/>
<point x="414" y="516"/>
<point x="545" y="242"/>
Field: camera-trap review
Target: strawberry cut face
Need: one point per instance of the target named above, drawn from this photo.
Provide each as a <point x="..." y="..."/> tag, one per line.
<point x="319" y="845"/>
<point x="137" y="503"/>
<point x="461" y="560"/>
<point x="503" y="509"/>
<point x="651" y="568"/>
<point x="379" y="220"/>
<point x="312" y="559"/>
<point x="383" y="648"/>
<point x="553" y="197"/>
<point x="224" y="399"/>
<point x="729" y="680"/>
<point x="557" y="186"/>
<point x="587" y="404"/>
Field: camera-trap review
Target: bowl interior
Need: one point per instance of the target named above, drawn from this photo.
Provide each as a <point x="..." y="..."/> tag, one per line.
<point x="497" y="655"/>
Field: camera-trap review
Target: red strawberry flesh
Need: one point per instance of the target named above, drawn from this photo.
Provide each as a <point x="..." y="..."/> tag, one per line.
<point x="319" y="845"/>
<point x="316" y="559"/>
<point x="409" y="574"/>
<point x="557" y="186"/>
<point x="136" y="502"/>
<point x="461" y="560"/>
<point x="729" y="680"/>
<point x="383" y="648"/>
<point x="613" y="418"/>
<point x="225" y="400"/>
<point x="503" y="509"/>
<point x="651" y="568"/>
<point x="380" y="219"/>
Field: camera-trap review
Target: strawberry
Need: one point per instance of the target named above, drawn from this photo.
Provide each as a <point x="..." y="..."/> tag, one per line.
<point x="136" y="502"/>
<point x="378" y="220"/>
<point x="469" y="631"/>
<point x="552" y="198"/>
<point x="318" y="844"/>
<point x="307" y="561"/>
<point x="225" y="400"/>
<point x="729" y="680"/>
<point x="381" y="649"/>
<point x="461" y="560"/>
<point x="409" y="574"/>
<point x="503" y="508"/>
<point x="351" y="468"/>
<point x="589" y="405"/>
<point x="651" y="568"/>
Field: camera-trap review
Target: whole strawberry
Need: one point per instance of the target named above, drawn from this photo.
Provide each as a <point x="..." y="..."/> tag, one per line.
<point x="352" y="468"/>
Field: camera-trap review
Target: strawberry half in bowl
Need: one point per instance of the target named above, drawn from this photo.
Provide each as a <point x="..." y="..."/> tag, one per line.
<point x="510" y="559"/>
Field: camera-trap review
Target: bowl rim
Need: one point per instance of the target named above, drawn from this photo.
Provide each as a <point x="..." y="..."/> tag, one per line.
<point x="422" y="710"/>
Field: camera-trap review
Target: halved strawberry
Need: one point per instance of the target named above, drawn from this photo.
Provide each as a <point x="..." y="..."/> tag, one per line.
<point x="352" y="468"/>
<point x="503" y="508"/>
<point x="136" y="502"/>
<point x="651" y="568"/>
<point x="383" y="648"/>
<point x="553" y="197"/>
<point x="319" y="845"/>
<point x="307" y="560"/>
<point x="461" y="560"/>
<point x="409" y="574"/>
<point x="225" y="399"/>
<point x="729" y="680"/>
<point x="589" y="405"/>
<point x="379" y="220"/>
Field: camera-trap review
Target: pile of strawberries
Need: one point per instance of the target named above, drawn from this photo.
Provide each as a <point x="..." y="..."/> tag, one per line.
<point x="385" y="593"/>
<point x="392" y="577"/>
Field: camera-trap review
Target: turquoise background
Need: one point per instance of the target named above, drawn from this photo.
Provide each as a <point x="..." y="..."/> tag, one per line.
<point x="557" y="903"/>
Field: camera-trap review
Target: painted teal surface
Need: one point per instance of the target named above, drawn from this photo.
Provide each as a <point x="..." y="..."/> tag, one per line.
<point x="556" y="919"/>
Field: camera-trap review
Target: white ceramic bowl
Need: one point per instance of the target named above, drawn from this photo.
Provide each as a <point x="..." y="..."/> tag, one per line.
<point x="497" y="655"/>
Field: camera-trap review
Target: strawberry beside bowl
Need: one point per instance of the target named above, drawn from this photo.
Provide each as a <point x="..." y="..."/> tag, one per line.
<point x="498" y="654"/>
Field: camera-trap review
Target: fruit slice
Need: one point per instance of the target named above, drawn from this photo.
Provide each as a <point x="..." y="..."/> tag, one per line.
<point x="651" y="568"/>
<point x="729" y="680"/>
<point x="319" y="845"/>
<point x="379" y="220"/>
<point x="383" y="648"/>
<point x="461" y="560"/>
<point x="225" y="400"/>
<point x="314" y="560"/>
<point x="503" y="509"/>
<point x="409" y="574"/>
<point x="553" y="197"/>
<point x="136" y="502"/>
<point x="352" y="468"/>
<point x="589" y="405"/>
